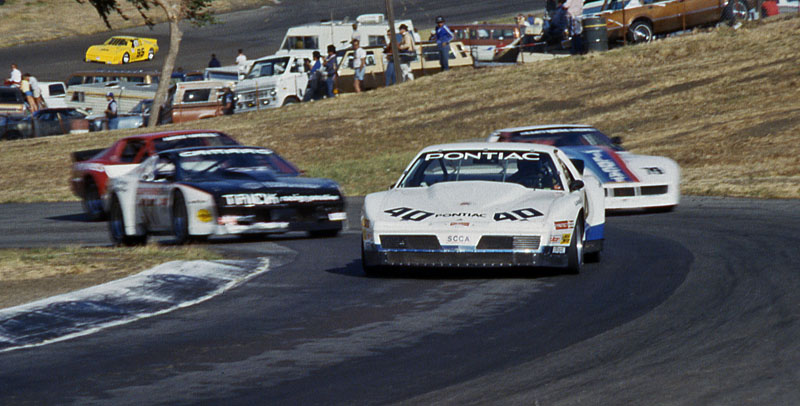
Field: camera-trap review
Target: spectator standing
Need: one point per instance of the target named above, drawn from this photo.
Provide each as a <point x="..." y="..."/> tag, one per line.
<point x="407" y="52"/>
<point x="214" y="62"/>
<point x="228" y="101"/>
<point x="359" y="64"/>
<point x="355" y="35"/>
<point x="25" y="86"/>
<point x="389" y="73"/>
<point x="241" y="61"/>
<point x="575" y="11"/>
<point x="36" y="90"/>
<point x="313" y="90"/>
<point x="417" y="37"/>
<point x="111" y="110"/>
<point x="443" y="38"/>
<point x="330" y="70"/>
<point x="15" y="79"/>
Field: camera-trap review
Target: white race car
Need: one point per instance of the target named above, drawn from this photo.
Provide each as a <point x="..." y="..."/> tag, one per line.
<point x="631" y="181"/>
<point x="485" y="205"/>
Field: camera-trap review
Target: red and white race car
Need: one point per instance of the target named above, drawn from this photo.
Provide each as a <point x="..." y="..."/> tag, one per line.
<point x="91" y="169"/>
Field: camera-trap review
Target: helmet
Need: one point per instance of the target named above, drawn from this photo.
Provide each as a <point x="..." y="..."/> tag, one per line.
<point x="439" y="19"/>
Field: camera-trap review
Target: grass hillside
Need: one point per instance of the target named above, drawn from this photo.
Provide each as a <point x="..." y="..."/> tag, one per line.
<point x="723" y="103"/>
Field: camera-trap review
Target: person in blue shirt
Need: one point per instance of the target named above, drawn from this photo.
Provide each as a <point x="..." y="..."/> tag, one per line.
<point x="443" y="38"/>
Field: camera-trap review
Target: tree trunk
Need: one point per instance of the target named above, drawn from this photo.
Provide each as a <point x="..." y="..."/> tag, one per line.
<point x="175" y="36"/>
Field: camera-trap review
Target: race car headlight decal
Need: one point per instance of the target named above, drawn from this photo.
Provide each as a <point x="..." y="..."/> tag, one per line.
<point x="204" y="215"/>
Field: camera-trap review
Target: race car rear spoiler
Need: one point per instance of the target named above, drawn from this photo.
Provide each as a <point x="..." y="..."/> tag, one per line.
<point x="80" y="156"/>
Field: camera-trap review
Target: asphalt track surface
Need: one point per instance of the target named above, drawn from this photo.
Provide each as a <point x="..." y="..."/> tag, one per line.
<point x="259" y="32"/>
<point x="697" y="306"/>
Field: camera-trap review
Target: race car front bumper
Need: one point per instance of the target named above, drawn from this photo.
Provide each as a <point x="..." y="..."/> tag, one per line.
<point x="376" y="256"/>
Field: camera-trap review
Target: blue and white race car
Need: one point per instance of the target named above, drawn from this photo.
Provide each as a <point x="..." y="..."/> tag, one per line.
<point x="485" y="205"/>
<point x="631" y="181"/>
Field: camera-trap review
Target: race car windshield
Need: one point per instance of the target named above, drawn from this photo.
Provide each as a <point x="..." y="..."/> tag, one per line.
<point x="193" y="140"/>
<point x="529" y="169"/>
<point x="564" y="137"/>
<point x="258" y="166"/>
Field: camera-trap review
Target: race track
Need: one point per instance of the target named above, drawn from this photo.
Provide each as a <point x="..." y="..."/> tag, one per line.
<point x="697" y="306"/>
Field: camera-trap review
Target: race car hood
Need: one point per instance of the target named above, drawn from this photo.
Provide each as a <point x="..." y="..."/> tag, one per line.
<point x="263" y="188"/>
<point x="611" y="166"/>
<point x="475" y="201"/>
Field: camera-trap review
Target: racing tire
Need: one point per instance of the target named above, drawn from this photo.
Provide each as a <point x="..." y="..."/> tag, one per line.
<point x="323" y="233"/>
<point x="370" y="270"/>
<point x="640" y="32"/>
<point x="180" y="219"/>
<point x="92" y="203"/>
<point x="116" y="227"/>
<point x="126" y="58"/>
<point x="150" y="54"/>
<point x="575" y="250"/>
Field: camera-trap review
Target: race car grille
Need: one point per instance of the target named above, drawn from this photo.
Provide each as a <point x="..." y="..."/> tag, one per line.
<point x="624" y="192"/>
<point x="471" y="259"/>
<point x="498" y="242"/>
<point x="654" y="190"/>
<point x="410" y="242"/>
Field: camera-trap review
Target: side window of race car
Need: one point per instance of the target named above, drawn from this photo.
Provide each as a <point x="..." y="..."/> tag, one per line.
<point x="131" y="151"/>
<point x="164" y="170"/>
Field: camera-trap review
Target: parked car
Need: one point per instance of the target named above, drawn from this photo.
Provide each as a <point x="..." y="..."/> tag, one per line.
<point x="272" y="82"/>
<point x="485" y="40"/>
<point x="641" y="21"/>
<point x="194" y="193"/>
<point x="485" y="205"/>
<point x="44" y="122"/>
<point x="113" y="75"/>
<point x="631" y="181"/>
<point x="92" y="168"/>
<point x="12" y="101"/>
<point x="123" y="49"/>
<point x="189" y="101"/>
<point x="425" y="63"/>
<point x="138" y="117"/>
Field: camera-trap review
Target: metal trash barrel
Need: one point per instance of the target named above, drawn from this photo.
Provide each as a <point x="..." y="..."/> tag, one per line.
<point x="595" y="33"/>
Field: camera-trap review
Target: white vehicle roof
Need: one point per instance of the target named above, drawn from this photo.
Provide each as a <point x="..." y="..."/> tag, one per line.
<point x="505" y="146"/>
<point x="543" y="127"/>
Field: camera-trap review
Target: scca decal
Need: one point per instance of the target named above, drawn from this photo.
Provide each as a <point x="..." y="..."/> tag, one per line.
<point x="407" y="213"/>
<point x="521" y="214"/>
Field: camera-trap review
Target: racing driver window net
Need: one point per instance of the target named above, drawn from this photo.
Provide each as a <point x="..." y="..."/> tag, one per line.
<point x="529" y="169"/>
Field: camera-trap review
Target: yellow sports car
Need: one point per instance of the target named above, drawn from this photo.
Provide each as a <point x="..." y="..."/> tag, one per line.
<point x="121" y="49"/>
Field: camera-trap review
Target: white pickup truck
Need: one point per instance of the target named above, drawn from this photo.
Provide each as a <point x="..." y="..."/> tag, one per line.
<point x="272" y="82"/>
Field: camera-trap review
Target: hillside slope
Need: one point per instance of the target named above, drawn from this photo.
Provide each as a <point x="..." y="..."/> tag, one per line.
<point x="723" y="103"/>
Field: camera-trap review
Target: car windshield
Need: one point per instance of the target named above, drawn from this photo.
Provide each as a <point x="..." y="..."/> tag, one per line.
<point x="301" y="42"/>
<point x="527" y="168"/>
<point x="213" y="164"/>
<point x="11" y="95"/>
<point x="193" y="140"/>
<point x="117" y="41"/>
<point x="562" y="137"/>
<point x="268" y="67"/>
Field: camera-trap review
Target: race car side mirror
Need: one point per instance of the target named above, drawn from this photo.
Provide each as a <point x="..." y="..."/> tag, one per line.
<point x="616" y="140"/>
<point x="579" y="165"/>
<point x="576" y="184"/>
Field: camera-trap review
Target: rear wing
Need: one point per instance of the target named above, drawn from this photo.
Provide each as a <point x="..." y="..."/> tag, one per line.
<point x="80" y="156"/>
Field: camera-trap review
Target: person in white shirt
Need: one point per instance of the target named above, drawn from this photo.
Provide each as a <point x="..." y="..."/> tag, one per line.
<point x="355" y="35"/>
<point x="16" y="76"/>
<point x="359" y="64"/>
<point x="241" y="61"/>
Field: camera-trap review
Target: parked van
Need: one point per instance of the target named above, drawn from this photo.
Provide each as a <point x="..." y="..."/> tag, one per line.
<point x="111" y="75"/>
<point x="303" y="40"/>
<point x="54" y="94"/>
<point x="426" y="63"/>
<point x="485" y="40"/>
<point x="272" y="82"/>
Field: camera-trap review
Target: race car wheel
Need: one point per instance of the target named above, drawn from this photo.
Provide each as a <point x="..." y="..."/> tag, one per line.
<point x="369" y="269"/>
<point x="116" y="227"/>
<point x="150" y="54"/>
<point x="92" y="203"/>
<point x="180" y="219"/>
<point x="639" y="32"/>
<point x="575" y="250"/>
<point x="126" y="58"/>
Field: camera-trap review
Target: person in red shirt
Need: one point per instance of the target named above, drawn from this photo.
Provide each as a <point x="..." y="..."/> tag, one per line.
<point x="769" y="8"/>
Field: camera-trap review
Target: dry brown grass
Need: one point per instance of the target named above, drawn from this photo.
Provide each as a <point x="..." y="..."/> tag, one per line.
<point x="723" y="103"/>
<point x="32" y="274"/>
<point x="26" y="21"/>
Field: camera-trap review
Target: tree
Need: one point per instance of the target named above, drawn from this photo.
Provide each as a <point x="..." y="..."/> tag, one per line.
<point x="196" y="11"/>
